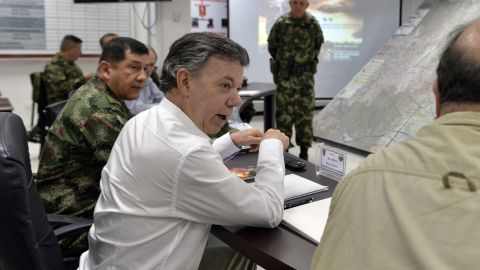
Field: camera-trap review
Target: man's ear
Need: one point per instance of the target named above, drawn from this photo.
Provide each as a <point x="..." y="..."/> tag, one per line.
<point x="104" y="70"/>
<point x="183" y="82"/>
<point x="438" y="98"/>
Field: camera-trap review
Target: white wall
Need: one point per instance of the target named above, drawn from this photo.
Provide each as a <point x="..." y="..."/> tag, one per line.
<point x="173" y="22"/>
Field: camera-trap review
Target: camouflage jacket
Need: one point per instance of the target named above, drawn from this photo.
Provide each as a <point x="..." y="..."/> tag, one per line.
<point x="60" y="77"/>
<point x="295" y="43"/>
<point x="77" y="147"/>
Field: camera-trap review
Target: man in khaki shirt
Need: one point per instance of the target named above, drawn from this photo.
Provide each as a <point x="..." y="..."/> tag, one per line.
<point x="415" y="205"/>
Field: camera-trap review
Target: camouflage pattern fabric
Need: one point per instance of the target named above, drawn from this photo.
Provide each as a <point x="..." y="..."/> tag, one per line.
<point x="295" y="101"/>
<point x="294" y="45"/>
<point x="60" y="77"/>
<point x="77" y="147"/>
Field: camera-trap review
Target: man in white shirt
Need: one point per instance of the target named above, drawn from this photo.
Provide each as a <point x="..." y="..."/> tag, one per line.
<point x="165" y="182"/>
<point x="150" y="94"/>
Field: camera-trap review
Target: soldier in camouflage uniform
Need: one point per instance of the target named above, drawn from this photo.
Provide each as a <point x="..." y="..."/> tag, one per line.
<point x="61" y="75"/>
<point x="79" y="142"/>
<point x="106" y="38"/>
<point x="294" y="44"/>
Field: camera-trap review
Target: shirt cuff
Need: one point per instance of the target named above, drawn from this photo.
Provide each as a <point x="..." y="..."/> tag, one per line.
<point x="225" y="146"/>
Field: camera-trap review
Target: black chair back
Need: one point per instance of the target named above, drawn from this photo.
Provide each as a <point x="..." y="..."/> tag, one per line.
<point x="26" y="238"/>
<point x="49" y="114"/>
<point x="39" y="93"/>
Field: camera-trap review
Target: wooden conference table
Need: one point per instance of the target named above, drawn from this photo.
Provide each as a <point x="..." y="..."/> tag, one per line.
<point x="278" y="248"/>
<point x="256" y="90"/>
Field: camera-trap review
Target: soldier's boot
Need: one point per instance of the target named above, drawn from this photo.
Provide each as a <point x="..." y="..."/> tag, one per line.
<point x="303" y="153"/>
<point x="34" y="135"/>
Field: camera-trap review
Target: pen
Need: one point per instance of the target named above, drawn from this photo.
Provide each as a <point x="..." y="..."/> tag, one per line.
<point x="294" y="204"/>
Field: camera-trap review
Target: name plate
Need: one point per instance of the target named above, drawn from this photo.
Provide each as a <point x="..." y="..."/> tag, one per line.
<point x="330" y="161"/>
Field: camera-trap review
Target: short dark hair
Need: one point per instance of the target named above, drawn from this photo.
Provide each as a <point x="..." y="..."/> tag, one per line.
<point x="193" y="50"/>
<point x="102" y="39"/>
<point x="116" y="50"/>
<point x="69" y="41"/>
<point x="458" y="72"/>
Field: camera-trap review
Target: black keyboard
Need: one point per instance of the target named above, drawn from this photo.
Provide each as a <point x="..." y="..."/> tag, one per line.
<point x="294" y="163"/>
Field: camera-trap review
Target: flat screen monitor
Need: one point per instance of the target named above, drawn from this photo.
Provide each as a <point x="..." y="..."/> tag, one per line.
<point x="354" y="31"/>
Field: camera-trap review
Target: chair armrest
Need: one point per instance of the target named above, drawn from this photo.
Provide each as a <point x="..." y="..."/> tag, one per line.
<point x="72" y="230"/>
<point x="62" y="220"/>
<point x="66" y="226"/>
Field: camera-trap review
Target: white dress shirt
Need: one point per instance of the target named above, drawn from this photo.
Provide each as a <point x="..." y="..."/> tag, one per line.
<point x="163" y="187"/>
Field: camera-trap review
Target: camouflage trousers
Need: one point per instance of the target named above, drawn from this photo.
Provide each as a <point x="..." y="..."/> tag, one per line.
<point x="295" y="103"/>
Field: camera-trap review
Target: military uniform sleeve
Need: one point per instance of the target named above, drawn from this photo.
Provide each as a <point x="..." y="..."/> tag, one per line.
<point x="101" y="130"/>
<point x="318" y="40"/>
<point x="273" y="40"/>
<point x="60" y="81"/>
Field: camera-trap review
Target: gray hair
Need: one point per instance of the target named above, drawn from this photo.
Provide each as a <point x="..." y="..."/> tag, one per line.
<point x="193" y="50"/>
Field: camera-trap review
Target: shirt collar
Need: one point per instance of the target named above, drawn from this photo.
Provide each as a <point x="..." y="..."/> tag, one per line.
<point x="185" y="120"/>
<point x="468" y="118"/>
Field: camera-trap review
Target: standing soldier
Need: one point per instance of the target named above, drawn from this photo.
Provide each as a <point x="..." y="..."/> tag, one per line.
<point x="61" y="74"/>
<point x="294" y="44"/>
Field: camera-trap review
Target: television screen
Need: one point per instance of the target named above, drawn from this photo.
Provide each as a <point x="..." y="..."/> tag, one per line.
<point x="353" y="29"/>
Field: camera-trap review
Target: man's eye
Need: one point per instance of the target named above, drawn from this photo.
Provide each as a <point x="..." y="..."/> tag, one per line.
<point x="225" y="86"/>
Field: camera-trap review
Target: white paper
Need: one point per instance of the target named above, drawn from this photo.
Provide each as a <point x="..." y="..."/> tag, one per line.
<point x="297" y="186"/>
<point x="239" y="125"/>
<point x="248" y="93"/>
<point x="308" y="219"/>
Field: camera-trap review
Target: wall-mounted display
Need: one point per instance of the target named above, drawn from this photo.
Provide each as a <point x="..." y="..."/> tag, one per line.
<point x="210" y="16"/>
<point x="353" y="29"/>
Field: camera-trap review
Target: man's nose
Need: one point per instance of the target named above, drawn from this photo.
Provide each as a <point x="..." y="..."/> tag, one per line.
<point x="143" y="75"/>
<point x="235" y="100"/>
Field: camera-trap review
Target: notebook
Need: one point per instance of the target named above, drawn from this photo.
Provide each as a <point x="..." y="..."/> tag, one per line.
<point x="297" y="186"/>
<point x="308" y="219"/>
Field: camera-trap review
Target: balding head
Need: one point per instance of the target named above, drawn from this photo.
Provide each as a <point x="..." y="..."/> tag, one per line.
<point x="458" y="71"/>
<point x="468" y="41"/>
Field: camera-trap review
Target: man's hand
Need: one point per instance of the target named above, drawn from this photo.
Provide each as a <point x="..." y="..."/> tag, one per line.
<point x="248" y="137"/>
<point x="277" y="134"/>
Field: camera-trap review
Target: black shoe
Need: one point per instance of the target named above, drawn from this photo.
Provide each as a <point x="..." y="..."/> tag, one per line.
<point x="303" y="153"/>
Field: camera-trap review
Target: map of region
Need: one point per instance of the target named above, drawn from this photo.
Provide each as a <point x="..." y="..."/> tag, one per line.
<point x="391" y="98"/>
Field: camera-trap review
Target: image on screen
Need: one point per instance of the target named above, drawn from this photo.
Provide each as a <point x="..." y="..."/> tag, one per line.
<point x="354" y="30"/>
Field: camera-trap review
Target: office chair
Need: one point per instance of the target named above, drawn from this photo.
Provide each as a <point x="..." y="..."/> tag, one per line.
<point x="26" y="238"/>
<point x="48" y="115"/>
<point x="39" y="97"/>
